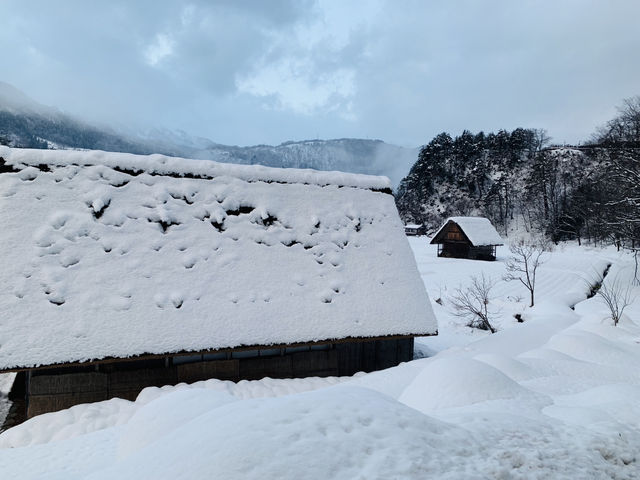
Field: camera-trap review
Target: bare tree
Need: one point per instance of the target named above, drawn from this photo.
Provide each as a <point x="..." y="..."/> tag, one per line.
<point x="541" y="139"/>
<point x="523" y="265"/>
<point x="617" y="296"/>
<point x="625" y="127"/>
<point x="473" y="303"/>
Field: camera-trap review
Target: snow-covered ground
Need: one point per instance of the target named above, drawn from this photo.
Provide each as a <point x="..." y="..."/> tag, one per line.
<point x="554" y="397"/>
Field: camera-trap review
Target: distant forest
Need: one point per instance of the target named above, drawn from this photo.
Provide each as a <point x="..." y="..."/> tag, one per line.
<point x="520" y="181"/>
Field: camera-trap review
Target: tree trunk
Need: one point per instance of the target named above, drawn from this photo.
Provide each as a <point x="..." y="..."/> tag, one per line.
<point x="531" y="299"/>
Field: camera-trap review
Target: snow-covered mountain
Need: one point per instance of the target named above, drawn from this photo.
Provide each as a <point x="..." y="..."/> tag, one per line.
<point x="28" y="124"/>
<point x="373" y="157"/>
<point x="15" y="101"/>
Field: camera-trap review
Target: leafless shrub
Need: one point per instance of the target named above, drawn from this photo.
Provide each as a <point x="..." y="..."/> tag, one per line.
<point x="472" y="303"/>
<point x="523" y="264"/>
<point x="617" y="296"/>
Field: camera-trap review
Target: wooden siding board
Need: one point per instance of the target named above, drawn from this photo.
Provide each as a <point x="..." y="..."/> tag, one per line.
<point x="386" y="354"/>
<point x="221" y="369"/>
<point x="349" y="358"/>
<point x="39" y="404"/>
<point x="68" y="383"/>
<point x="405" y="349"/>
<point x="315" y="363"/>
<point x="256" y="368"/>
<point x="156" y="377"/>
<point x="368" y="359"/>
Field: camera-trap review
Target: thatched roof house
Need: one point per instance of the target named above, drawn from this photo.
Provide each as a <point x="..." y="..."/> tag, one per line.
<point x="467" y="237"/>
<point x="196" y="269"/>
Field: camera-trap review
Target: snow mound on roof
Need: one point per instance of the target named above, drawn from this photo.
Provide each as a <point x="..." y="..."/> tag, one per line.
<point x="163" y="165"/>
<point x="455" y="382"/>
<point x="479" y="230"/>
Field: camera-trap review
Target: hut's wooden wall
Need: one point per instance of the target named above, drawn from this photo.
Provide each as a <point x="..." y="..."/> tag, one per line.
<point x="453" y="233"/>
<point x="464" y="250"/>
<point x="51" y="390"/>
<point x="482" y="253"/>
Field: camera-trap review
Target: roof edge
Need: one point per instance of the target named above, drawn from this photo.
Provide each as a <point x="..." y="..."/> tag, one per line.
<point x="157" y="164"/>
<point x="150" y="356"/>
<point x="436" y="241"/>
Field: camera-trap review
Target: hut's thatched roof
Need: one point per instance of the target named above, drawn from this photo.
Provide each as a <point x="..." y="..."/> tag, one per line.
<point x="478" y="230"/>
<point x="115" y="255"/>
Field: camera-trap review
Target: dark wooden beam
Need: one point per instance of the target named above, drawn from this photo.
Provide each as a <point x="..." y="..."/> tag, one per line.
<point x="151" y="356"/>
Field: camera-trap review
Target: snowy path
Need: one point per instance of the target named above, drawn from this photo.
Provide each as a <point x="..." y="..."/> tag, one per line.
<point x="556" y="397"/>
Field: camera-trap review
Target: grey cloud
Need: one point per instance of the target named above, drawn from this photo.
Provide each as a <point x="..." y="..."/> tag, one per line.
<point x="397" y="70"/>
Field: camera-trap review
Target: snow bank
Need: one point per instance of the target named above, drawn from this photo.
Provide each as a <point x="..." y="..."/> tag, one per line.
<point x="70" y="423"/>
<point x="240" y="440"/>
<point x="87" y="418"/>
<point x="337" y="432"/>
<point x="167" y="413"/>
<point x="556" y="397"/>
<point x="454" y="382"/>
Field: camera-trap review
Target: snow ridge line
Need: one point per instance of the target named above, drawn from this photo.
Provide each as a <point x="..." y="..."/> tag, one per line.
<point x="187" y="168"/>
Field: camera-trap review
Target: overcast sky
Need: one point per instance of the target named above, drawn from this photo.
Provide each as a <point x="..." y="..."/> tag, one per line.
<point x="248" y="72"/>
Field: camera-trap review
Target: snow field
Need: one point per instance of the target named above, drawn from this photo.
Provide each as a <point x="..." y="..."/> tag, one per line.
<point x="555" y="397"/>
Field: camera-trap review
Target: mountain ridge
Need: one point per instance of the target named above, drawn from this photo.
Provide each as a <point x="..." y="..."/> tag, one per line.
<point x="24" y="123"/>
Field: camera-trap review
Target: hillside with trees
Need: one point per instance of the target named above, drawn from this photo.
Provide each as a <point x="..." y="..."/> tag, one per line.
<point x="517" y="179"/>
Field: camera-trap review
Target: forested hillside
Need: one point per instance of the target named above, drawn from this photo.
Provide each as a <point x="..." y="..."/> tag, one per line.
<point x="520" y="182"/>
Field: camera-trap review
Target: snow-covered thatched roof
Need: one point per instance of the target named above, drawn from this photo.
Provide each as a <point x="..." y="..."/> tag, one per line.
<point x="478" y="230"/>
<point x="115" y="255"/>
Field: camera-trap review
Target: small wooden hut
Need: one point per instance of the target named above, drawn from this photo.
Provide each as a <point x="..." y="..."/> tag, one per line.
<point x="474" y="238"/>
<point x="412" y="229"/>
<point x="124" y="271"/>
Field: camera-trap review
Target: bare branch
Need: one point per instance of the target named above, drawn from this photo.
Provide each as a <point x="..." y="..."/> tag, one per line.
<point x="473" y="303"/>
<point x="523" y="265"/>
<point x="617" y="296"/>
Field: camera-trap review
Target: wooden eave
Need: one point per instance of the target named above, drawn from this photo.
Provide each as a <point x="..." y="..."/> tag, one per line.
<point x="438" y="238"/>
<point x="182" y="353"/>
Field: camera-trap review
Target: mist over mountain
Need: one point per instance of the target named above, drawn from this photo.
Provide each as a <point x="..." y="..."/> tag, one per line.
<point x="373" y="157"/>
<point x="24" y="123"/>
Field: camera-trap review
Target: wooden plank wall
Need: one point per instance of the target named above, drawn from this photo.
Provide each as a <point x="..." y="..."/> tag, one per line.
<point x="50" y="392"/>
<point x="369" y="356"/>
<point x="481" y="253"/>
